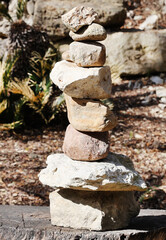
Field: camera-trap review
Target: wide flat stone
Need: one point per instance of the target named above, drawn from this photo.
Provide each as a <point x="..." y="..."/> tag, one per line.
<point x="114" y="173"/>
<point x="89" y="115"/>
<point x="92" y="210"/>
<point x="79" y="17"/>
<point x="89" y="54"/>
<point x="85" y="146"/>
<point x="93" y="32"/>
<point x="82" y="82"/>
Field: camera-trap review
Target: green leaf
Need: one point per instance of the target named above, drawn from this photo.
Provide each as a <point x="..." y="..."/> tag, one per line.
<point x="21" y="5"/>
<point x="3" y="106"/>
<point x="13" y="125"/>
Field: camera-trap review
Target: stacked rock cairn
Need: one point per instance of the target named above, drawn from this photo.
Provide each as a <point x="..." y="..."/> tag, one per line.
<point x="94" y="188"/>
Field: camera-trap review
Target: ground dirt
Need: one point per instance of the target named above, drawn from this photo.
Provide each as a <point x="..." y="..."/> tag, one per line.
<point x="139" y="10"/>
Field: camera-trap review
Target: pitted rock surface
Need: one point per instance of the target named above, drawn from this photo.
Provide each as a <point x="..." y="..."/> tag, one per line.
<point x="89" y="54"/>
<point x="79" y="17"/>
<point x="114" y="173"/>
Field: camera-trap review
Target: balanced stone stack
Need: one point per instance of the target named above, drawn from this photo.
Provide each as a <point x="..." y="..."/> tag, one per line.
<point x="94" y="187"/>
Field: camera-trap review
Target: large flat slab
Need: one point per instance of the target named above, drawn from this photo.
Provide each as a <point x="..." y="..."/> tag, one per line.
<point x="113" y="173"/>
<point x="30" y="222"/>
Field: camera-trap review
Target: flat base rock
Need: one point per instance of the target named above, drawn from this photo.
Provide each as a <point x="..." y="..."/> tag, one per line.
<point x="33" y="222"/>
<point x="113" y="173"/>
<point x="92" y="210"/>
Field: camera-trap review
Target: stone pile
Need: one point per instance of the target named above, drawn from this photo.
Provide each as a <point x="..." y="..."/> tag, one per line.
<point x="94" y="187"/>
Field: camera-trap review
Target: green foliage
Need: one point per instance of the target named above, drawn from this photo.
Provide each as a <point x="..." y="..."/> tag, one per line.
<point x="35" y="92"/>
<point x="26" y="90"/>
<point x="109" y="104"/>
<point x="21" y="6"/>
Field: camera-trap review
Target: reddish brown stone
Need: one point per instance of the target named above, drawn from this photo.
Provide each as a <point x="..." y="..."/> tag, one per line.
<point x="85" y="146"/>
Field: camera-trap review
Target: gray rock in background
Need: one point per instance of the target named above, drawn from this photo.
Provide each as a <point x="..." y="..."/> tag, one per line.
<point x="137" y="52"/>
<point x="47" y="14"/>
<point x="4" y="45"/>
<point x="4" y="28"/>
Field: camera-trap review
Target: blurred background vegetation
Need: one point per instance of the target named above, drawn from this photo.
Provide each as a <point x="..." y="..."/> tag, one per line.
<point x="27" y="95"/>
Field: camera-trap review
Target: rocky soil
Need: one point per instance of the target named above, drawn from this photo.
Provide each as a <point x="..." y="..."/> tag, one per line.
<point x="139" y="10"/>
<point x="140" y="134"/>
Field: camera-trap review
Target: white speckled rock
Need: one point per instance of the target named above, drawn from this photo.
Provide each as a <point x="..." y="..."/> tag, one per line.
<point x="89" y="54"/>
<point x="92" y="210"/>
<point x="93" y="32"/>
<point x="78" y="17"/>
<point x="89" y="115"/>
<point x="114" y="173"/>
<point x="85" y="146"/>
<point x="82" y="82"/>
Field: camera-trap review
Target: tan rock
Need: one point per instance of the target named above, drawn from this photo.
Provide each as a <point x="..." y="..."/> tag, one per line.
<point x="78" y="17"/>
<point x="85" y="146"/>
<point x="113" y="173"/>
<point x="87" y="54"/>
<point x="89" y="115"/>
<point x="92" y="210"/>
<point x="82" y="82"/>
<point x="136" y="52"/>
<point x="66" y="56"/>
<point x="93" y="32"/>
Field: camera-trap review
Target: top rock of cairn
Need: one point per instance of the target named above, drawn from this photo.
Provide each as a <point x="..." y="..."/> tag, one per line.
<point x="78" y="17"/>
